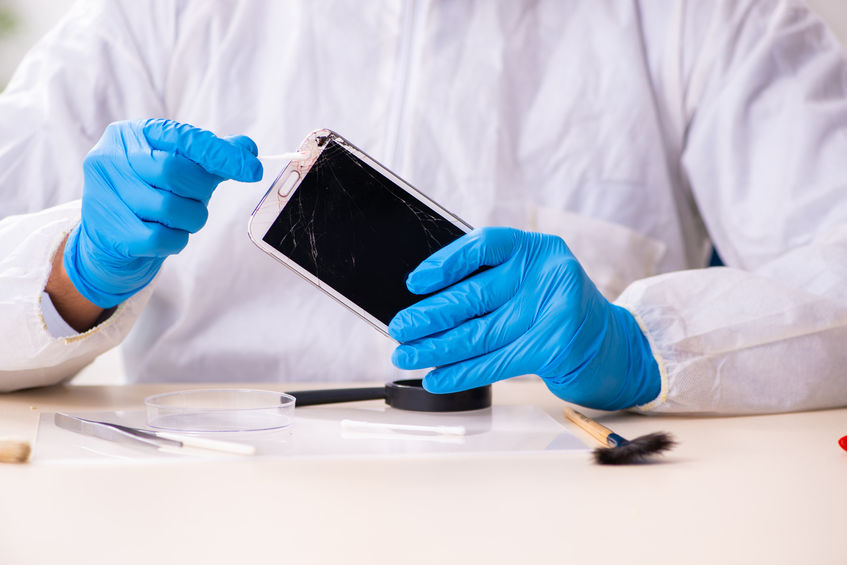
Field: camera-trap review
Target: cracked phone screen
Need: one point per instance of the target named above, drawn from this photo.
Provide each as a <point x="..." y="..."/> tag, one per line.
<point x="358" y="232"/>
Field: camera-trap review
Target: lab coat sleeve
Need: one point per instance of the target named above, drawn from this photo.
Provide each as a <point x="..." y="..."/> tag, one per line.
<point x="92" y="69"/>
<point x="29" y="354"/>
<point x="765" y="156"/>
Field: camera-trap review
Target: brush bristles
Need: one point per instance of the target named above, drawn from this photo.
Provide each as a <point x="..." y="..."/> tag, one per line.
<point x="14" y="451"/>
<point x="636" y="451"/>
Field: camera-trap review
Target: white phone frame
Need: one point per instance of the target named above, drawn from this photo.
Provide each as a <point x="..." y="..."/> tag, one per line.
<point x="286" y="184"/>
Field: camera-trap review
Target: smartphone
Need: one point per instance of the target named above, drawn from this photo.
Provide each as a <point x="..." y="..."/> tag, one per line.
<point x="351" y="227"/>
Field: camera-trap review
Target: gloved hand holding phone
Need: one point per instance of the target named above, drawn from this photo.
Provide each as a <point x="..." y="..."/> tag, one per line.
<point x="147" y="185"/>
<point x="535" y="311"/>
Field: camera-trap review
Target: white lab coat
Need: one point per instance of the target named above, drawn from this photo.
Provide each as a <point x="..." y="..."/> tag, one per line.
<point x="642" y="132"/>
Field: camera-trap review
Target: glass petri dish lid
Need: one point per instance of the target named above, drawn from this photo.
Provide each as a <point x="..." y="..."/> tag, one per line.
<point x="220" y="410"/>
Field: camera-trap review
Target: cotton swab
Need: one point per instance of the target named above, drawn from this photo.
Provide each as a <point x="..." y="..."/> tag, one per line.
<point x="620" y="451"/>
<point x="441" y="430"/>
<point x="14" y="451"/>
<point x="210" y="444"/>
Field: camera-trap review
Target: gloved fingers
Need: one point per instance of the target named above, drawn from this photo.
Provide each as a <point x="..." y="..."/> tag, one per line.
<point x="157" y="241"/>
<point x="230" y="159"/>
<point x="245" y="142"/>
<point x="478" y="295"/>
<point x="504" y="363"/>
<point x="173" y="211"/>
<point x="452" y="263"/>
<point x="151" y="204"/>
<point x="474" y="338"/>
<point x="174" y="173"/>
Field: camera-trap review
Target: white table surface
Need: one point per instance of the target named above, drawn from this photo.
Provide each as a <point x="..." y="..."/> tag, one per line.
<point x="761" y="489"/>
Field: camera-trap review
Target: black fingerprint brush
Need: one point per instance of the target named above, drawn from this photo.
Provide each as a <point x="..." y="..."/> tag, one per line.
<point x="620" y="451"/>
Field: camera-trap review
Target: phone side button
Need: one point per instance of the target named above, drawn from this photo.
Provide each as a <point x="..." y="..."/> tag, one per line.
<point x="288" y="183"/>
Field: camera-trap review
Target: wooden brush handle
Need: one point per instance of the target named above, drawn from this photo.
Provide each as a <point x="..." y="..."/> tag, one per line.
<point x="598" y="431"/>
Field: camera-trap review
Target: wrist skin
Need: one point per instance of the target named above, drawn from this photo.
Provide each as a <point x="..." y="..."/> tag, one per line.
<point x="75" y="309"/>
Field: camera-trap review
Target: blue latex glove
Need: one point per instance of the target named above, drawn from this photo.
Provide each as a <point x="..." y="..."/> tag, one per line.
<point x="147" y="184"/>
<point x="534" y="312"/>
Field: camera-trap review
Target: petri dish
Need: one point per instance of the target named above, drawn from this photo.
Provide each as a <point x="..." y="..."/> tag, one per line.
<point x="220" y="410"/>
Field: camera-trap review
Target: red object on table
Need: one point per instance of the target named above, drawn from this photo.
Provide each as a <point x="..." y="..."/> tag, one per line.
<point x="843" y="443"/>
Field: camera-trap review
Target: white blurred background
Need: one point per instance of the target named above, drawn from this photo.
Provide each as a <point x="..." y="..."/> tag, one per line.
<point x="32" y="18"/>
<point x="23" y="22"/>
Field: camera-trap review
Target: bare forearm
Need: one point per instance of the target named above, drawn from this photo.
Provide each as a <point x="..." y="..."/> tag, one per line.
<point x="76" y="310"/>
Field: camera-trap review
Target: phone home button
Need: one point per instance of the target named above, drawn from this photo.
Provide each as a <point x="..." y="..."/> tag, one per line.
<point x="288" y="183"/>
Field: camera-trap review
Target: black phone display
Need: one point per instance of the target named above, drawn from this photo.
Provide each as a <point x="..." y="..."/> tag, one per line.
<point x="358" y="232"/>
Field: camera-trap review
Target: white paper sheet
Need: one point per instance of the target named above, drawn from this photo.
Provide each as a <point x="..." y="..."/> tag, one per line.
<point x="317" y="432"/>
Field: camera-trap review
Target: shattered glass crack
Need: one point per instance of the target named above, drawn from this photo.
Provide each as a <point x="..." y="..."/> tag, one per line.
<point x="358" y="232"/>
